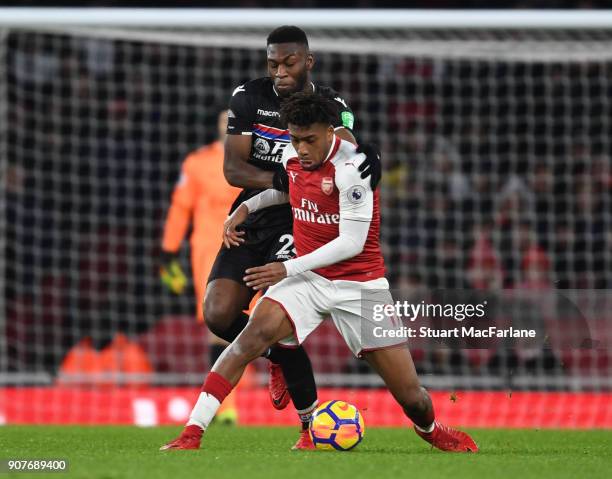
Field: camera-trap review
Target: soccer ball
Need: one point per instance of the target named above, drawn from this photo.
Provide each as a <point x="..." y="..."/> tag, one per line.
<point x="336" y="425"/>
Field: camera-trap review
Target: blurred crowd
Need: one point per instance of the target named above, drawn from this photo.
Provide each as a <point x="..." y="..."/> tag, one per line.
<point x="497" y="175"/>
<point x="540" y="223"/>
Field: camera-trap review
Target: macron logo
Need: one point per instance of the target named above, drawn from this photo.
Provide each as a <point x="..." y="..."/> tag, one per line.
<point x="238" y="90"/>
<point x="267" y="113"/>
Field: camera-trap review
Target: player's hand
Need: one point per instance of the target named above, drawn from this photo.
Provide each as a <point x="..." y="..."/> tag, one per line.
<point x="261" y="277"/>
<point x="231" y="237"/>
<point x="371" y="166"/>
<point x="171" y="273"/>
<point x="280" y="180"/>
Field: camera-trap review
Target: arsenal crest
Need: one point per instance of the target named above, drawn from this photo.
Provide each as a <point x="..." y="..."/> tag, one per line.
<point x="327" y="185"/>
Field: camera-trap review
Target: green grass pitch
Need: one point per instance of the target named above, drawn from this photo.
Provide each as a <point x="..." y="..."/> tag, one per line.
<point x="250" y="453"/>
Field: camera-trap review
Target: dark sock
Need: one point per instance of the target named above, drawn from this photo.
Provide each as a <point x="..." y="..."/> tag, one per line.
<point x="298" y="374"/>
<point x="214" y="352"/>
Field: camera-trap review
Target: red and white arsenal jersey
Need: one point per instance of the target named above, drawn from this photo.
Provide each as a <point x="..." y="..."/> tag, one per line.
<point x="319" y="198"/>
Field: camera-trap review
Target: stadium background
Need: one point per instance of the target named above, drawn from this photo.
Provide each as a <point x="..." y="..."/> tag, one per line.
<point x="497" y="174"/>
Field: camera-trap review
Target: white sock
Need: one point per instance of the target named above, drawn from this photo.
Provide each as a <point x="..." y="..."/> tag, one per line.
<point x="427" y="429"/>
<point x="306" y="414"/>
<point x="204" y="410"/>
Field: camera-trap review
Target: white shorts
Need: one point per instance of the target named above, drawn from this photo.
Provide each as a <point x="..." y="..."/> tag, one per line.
<point x="308" y="299"/>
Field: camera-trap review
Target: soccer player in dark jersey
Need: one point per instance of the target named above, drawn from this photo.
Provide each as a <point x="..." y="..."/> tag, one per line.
<point x="338" y="273"/>
<point x="253" y="149"/>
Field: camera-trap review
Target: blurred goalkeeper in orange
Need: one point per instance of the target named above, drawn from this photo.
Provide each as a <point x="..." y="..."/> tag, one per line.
<point x="201" y="193"/>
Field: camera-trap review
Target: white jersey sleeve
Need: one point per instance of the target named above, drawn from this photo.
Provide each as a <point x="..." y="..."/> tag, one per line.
<point x="265" y="199"/>
<point x="271" y="197"/>
<point x="355" y="193"/>
<point x="350" y="241"/>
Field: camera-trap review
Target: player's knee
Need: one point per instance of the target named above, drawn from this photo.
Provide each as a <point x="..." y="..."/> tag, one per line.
<point x="254" y="340"/>
<point x="264" y="329"/>
<point x="218" y="315"/>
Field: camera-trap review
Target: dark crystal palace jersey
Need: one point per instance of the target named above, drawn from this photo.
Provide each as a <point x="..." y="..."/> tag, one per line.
<point x="254" y="110"/>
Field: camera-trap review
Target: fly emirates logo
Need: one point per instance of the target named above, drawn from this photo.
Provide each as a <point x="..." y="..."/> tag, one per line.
<point x="309" y="211"/>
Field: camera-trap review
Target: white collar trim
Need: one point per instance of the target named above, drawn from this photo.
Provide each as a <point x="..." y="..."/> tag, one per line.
<point x="331" y="148"/>
<point x="311" y="84"/>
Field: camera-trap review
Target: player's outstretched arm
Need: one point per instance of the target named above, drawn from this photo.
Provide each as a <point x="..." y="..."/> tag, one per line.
<point x="177" y="223"/>
<point x="233" y="237"/>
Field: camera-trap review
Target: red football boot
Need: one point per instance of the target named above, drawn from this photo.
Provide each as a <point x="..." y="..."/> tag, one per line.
<point x="279" y="394"/>
<point x="448" y="439"/>
<point x="304" y="443"/>
<point x="189" y="439"/>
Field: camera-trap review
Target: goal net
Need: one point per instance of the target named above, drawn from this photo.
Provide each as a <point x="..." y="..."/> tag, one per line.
<point x="497" y="178"/>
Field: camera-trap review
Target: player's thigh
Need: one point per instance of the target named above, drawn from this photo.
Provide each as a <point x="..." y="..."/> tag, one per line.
<point x="268" y="324"/>
<point x="356" y="315"/>
<point x="305" y="300"/>
<point x="226" y="294"/>
<point x="231" y="263"/>
<point x="225" y="299"/>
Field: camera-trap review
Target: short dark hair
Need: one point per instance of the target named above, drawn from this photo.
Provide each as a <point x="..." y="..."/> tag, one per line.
<point x="304" y="109"/>
<point x="288" y="34"/>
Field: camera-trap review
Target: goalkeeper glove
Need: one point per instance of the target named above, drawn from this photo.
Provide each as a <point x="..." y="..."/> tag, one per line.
<point x="371" y="166"/>
<point x="171" y="273"/>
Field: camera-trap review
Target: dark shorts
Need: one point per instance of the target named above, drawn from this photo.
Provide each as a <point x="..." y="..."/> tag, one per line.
<point x="258" y="251"/>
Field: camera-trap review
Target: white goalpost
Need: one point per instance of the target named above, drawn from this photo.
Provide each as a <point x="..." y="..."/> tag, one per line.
<point x="309" y="18"/>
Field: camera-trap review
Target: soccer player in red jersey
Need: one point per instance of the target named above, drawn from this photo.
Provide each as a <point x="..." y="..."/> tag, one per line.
<point x="338" y="273"/>
<point x="254" y="146"/>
